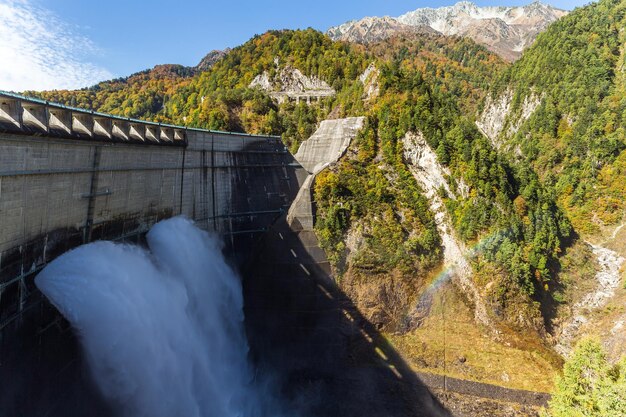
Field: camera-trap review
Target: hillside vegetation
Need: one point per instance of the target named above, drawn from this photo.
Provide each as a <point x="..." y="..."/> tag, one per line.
<point x="590" y="386"/>
<point x="423" y="88"/>
<point x="140" y="95"/>
<point x="575" y="140"/>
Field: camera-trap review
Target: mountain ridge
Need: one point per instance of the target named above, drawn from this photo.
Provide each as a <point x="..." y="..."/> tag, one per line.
<point x="506" y="31"/>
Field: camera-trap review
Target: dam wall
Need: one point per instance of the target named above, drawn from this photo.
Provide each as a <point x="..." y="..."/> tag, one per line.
<point x="70" y="176"/>
<point x="56" y="194"/>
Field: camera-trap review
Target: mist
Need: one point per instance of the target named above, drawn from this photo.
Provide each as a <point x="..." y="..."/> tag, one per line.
<point x="162" y="327"/>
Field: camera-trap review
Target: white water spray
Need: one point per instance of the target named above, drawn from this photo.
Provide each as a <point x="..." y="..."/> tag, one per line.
<point x="162" y="329"/>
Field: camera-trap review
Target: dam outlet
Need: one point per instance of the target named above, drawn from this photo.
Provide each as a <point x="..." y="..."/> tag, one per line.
<point x="162" y="327"/>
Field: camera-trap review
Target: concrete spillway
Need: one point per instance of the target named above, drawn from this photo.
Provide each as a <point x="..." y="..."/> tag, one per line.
<point x="329" y="142"/>
<point x="327" y="145"/>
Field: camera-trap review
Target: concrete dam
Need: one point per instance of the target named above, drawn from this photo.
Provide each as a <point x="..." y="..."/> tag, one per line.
<point x="70" y="177"/>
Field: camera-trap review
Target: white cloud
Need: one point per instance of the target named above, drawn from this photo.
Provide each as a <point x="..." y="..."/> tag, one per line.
<point x="38" y="51"/>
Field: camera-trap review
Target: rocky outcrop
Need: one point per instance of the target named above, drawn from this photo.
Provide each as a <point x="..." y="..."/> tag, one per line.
<point x="506" y="31"/>
<point x="431" y="176"/>
<point x="608" y="279"/>
<point x="493" y="118"/>
<point x="497" y="117"/>
<point x="369" y="78"/>
<point x="211" y="58"/>
<point x="290" y="83"/>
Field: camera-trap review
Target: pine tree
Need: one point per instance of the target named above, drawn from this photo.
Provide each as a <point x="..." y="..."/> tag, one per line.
<point x="590" y="386"/>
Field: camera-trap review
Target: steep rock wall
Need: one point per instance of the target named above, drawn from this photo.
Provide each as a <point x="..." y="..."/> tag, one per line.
<point x="430" y="175"/>
<point x="497" y="120"/>
<point x="369" y="79"/>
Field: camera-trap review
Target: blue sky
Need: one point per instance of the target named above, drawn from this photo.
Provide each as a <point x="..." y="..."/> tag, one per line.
<point x="97" y="40"/>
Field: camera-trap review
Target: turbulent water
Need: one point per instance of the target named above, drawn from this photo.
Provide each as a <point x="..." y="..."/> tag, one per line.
<point x="162" y="328"/>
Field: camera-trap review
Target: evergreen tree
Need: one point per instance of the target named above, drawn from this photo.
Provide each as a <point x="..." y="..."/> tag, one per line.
<point x="590" y="386"/>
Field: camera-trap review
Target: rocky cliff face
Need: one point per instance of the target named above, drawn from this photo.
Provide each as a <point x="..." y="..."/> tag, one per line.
<point x="506" y="31"/>
<point x="211" y="58"/>
<point x="608" y="280"/>
<point x="373" y="29"/>
<point x="369" y="78"/>
<point x="497" y="118"/>
<point x="290" y="83"/>
<point x="431" y="176"/>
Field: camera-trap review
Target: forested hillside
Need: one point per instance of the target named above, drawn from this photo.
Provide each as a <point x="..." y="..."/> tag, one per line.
<point x="590" y="384"/>
<point x="576" y="137"/>
<point x="221" y="98"/>
<point x="140" y="95"/>
<point x="424" y="87"/>
<point x="561" y="111"/>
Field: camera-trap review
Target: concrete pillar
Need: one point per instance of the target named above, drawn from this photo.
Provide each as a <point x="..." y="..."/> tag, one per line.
<point x="120" y="129"/>
<point x="82" y="124"/>
<point x="166" y="134"/>
<point x="60" y="120"/>
<point x="102" y="126"/>
<point x="151" y="133"/>
<point x="137" y="131"/>
<point x="179" y="135"/>
<point x="9" y="111"/>
<point x="35" y="115"/>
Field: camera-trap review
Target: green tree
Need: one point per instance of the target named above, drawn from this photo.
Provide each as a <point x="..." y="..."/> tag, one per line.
<point x="589" y="386"/>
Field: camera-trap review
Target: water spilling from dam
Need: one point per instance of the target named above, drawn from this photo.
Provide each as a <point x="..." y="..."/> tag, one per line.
<point x="162" y="328"/>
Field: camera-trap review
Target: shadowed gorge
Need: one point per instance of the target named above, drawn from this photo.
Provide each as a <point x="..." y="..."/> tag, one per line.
<point x="328" y="358"/>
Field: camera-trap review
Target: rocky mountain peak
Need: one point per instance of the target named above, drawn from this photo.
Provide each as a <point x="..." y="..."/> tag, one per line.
<point x="373" y="29"/>
<point x="211" y="58"/>
<point x="506" y="31"/>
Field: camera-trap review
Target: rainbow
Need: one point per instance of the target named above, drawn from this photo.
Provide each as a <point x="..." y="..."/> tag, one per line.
<point x="446" y="275"/>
